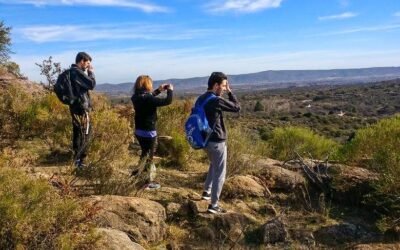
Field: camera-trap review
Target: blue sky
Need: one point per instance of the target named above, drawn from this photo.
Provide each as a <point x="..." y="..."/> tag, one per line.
<point x="188" y="38"/>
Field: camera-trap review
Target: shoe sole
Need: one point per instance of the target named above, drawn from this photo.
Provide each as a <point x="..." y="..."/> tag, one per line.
<point x="206" y="198"/>
<point x="212" y="211"/>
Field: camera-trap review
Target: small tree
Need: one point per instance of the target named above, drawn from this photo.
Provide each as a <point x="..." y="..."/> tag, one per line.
<point x="50" y="70"/>
<point x="258" y="107"/>
<point x="5" y="43"/>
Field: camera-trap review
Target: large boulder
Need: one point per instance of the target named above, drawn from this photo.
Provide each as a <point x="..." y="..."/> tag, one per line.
<point x="143" y="220"/>
<point x="112" y="239"/>
<point x="351" y="184"/>
<point x="243" y="186"/>
<point x="232" y="226"/>
<point x="274" y="176"/>
<point x="340" y="234"/>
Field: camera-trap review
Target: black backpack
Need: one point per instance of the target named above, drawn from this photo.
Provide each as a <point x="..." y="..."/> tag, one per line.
<point x="63" y="88"/>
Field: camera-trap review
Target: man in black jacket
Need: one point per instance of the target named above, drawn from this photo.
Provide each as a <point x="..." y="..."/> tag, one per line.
<point x="82" y="80"/>
<point x="216" y="147"/>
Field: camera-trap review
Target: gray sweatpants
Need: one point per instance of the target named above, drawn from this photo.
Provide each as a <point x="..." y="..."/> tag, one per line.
<point x="217" y="153"/>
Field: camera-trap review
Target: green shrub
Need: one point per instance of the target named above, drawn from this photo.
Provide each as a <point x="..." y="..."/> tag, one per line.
<point x="108" y="153"/>
<point x="173" y="117"/>
<point x="288" y="141"/>
<point x="25" y="115"/>
<point x="171" y="121"/>
<point x="180" y="151"/>
<point x="16" y="111"/>
<point x="34" y="216"/>
<point x="377" y="147"/>
<point x="243" y="150"/>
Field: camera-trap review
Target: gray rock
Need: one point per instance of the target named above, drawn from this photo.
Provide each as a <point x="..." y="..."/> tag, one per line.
<point x="141" y="219"/>
<point x="243" y="186"/>
<point x="340" y="233"/>
<point x="112" y="239"/>
<point x="274" y="231"/>
<point x="173" y="208"/>
<point x="197" y="207"/>
<point x="276" y="177"/>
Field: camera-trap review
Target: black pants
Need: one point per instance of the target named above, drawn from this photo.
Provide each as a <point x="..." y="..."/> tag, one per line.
<point x="81" y="131"/>
<point x="148" y="146"/>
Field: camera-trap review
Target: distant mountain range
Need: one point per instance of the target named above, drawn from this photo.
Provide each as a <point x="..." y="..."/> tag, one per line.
<point x="271" y="79"/>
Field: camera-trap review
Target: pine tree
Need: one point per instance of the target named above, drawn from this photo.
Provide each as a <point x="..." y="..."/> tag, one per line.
<point x="258" y="107"/>
<point x="5" y="43"/>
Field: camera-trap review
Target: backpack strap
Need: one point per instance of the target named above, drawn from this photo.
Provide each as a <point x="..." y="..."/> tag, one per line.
<point x="212" y="96"/>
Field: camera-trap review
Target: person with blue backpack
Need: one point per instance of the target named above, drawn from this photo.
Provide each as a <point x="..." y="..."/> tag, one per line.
<point x="215" y="144"/>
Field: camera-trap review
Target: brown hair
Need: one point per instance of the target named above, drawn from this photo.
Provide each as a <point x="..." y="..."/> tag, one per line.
<point x="143" y="82"/>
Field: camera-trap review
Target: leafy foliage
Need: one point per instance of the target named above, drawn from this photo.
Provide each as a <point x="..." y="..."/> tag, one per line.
<point x="171" y="122"/>
<point x="243" y="150"/>
<point x="288" y="141"/>
<point x="34" y="216"/>
<point x="377" y="147"/>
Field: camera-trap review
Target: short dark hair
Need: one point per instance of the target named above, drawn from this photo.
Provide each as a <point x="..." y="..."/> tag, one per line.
<point x="82" y="56"/>
<point x="216" y="78"/>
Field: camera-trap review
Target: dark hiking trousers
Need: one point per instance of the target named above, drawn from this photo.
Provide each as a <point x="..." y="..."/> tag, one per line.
<point x="81" y="131"/>
<point x="148" y="145"/>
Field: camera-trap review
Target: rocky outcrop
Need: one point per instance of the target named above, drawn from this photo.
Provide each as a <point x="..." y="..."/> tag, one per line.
<point x="112" y="239"/>
<point x="243" y="186"/>
<point x="340" y="233"/>
<point x="350" y="184"/>
<point x="274" y="176"/>
<point x="143" y="220"/>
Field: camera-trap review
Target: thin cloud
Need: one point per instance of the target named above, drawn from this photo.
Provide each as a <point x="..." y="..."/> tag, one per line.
<point x="344" y="3"/>
<point x="82" y="33"/>
<point x="345" y="15"/>
<point x="246" y="6"/>
<point x="381" y="28"/>
<point x="397" y="14"/>
<point x="141" y="5"/>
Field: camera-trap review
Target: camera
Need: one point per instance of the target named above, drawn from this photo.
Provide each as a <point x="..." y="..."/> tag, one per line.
<point x="166" y="86"/>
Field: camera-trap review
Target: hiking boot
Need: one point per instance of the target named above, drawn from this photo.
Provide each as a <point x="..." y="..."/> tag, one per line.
<point x="215" y="210"/>
<point x="206" y="196"/>
<point x="152" y="186"/>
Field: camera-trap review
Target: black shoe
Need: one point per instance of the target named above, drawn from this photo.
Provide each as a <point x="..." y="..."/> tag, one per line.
<point x="215" y="210"/>
<point x="79" y="165"/>
<point x="152" y="186"/>
<point x="206" y="196"/>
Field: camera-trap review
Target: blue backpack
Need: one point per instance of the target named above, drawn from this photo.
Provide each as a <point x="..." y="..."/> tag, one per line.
<point x="197" y="128"/>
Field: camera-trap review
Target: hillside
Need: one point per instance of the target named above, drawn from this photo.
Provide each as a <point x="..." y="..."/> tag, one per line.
<point x="273" y="200"/>
<point x="273" y="79"/>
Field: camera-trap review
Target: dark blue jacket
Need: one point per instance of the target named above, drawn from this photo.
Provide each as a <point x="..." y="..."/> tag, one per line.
<point x="81" y="84"/>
